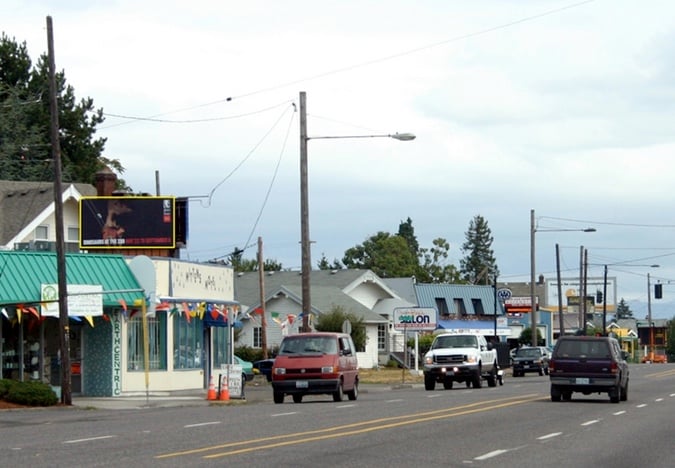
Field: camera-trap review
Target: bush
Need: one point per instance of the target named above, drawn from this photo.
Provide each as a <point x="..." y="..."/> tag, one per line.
<point x="31" y="393"/>
<point x="5" y="385"/>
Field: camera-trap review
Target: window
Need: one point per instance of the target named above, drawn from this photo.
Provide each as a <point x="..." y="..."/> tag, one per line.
<point x="156" y="340"/>
<point x="382" y="337"/>
<point x="459" y="305"/>
<point x="257" y="337"/>
<point x="478" y="306"/>
<point x="442" y="306"/>
<point x="42" y="233"/>
<point x="188" y="343"/>
<point x="221" y="348"/>
<point x="73" y="234"/>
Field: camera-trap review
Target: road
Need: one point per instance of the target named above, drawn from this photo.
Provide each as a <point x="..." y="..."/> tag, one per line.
<point x="514" y="425"/>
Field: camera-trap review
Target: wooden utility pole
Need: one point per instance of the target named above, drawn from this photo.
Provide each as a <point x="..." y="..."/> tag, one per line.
<point x="561" y="318"/>
<point x="261" y="279"/>
<point x="66" y="397"/>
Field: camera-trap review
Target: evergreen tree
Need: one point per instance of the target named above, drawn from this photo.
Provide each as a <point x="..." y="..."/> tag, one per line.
<point x="479" y="264"/>
<point x="623" y="310"/>
<point x="25" y="122"/>
<point x="386" y="255"/>
<point x="324" y="264"/>
<point x="407" y="231"/>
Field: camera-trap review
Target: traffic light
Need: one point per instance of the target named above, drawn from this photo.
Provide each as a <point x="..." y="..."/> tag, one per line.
<point x="658" y="291"/>
<point x="598" y="297"/>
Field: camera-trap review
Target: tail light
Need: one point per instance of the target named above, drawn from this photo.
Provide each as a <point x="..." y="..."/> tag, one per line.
<point x="551" y="366"/>
<point x="614" y="367"/>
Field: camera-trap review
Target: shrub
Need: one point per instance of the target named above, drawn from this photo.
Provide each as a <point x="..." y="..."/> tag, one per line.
<point x="31" y="393"/>
<point x="5" y="385"/>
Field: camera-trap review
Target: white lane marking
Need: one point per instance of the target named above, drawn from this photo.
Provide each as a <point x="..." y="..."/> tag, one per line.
<point x="659" y="399"/>
<point x="394" y="401"/>
<point x="346" y="406"/>
<point x="88" y="439"/>
<point x="492" y="454"/>
<point x="434" y="396"/>
<point x="619" y="412"/>
<point x="672" y="394"/>
<point x="211" y="423"/>
<point x="548" y="436"/>
<point x="642" y="405"/>
<point x="592" y="421"/>
<point x="283" y="414"/>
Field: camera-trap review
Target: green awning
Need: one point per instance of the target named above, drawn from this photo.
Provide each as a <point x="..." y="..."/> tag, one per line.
<point x="23" y="273"/>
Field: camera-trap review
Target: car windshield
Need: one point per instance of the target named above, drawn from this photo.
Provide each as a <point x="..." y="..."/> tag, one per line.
<point x="528" y="352"/>
<point x="455" y="342"/>
<point x="309" y="344"/>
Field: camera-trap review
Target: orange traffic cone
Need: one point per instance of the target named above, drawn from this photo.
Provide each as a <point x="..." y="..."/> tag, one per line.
<point x="211" y="394"/>
<point x="224" y="391"/>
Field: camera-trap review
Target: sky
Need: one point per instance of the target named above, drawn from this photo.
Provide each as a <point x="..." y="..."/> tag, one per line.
<point x="559" y="106"/>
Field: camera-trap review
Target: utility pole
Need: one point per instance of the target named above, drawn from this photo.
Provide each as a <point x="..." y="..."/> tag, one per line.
<point x="561" y="318"/>
<point x="304" y="217"/>
<point x="66" y="397"/>
<point x="261" y="279"/>
<point x="581" y="287"/>
<point x="585" y="290"/>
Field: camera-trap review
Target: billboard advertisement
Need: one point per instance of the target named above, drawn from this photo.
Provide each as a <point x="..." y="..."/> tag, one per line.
<point x="571" y="289"/>
<point x="127" y="222"/>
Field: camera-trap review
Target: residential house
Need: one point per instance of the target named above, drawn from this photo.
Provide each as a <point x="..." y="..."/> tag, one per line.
<point x="359" y="292"/>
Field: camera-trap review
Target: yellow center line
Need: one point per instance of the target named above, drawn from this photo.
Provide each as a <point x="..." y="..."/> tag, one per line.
<point x="351" y="429"/>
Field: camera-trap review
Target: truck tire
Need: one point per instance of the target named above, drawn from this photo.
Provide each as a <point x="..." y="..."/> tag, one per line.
<point x="478" y="379"/>
<point x="556" y="394"/>
<point x="429" y="382"/>
<point x="492" y="376"/>
<point x="447" y="384"/>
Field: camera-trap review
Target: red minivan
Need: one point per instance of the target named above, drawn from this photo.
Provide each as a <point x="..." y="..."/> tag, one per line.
<point x="316" y="363"/>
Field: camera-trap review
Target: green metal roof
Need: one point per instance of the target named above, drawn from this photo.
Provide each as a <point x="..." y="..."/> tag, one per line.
<point x="22" y="273"/>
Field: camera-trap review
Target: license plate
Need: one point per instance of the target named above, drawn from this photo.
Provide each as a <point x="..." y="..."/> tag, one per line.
<point x="526" y="366"/>
<point x="301" y="384"/>
<point x="583" y="381"/>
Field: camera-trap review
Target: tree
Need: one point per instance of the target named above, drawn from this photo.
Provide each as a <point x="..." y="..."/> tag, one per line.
<point x="407" y="231"/>
<point x="670" y="343"/>
<point x="323" y="264"/>
<point x="332" y="321"/>
<point x="623" y="310"/>
<point x="478" y="264"/>
<point x="525" y="338"/>
<point x="386" y="255"/>
<point x="25" y="149"/>
<point x="434" y="269"/>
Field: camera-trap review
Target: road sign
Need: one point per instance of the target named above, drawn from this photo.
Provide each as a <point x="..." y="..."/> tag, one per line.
<point x="504" y="294"/>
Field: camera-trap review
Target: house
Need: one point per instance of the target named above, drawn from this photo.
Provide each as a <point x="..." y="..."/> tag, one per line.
<point x="27" y="214"/>
<point x="360" y="292"/>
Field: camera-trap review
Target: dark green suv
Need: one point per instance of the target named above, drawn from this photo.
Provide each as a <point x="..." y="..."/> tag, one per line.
<point x="588" y="364"/>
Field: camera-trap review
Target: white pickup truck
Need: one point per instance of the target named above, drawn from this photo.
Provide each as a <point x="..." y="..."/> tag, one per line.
<point x="460" y="358"/>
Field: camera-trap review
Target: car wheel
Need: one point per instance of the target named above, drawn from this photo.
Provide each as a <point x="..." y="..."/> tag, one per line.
<point x="468" y="384"/>
<point x="429" y="382"/>
<point x="555" y="393"/>
<point x="278" y="397"/>
<point x="354" y="393"/>
<point x="337" y="394"/>
<point x="492" y="376"/>
<point x="447" y="384"/>
<point x="478" y="379"/>
<point x="545" y="370"/>
<point x="541" y="371"/>
<point x="624" y="393"/>
<point x="615" y="394"/>
<point x="297" y="398"/>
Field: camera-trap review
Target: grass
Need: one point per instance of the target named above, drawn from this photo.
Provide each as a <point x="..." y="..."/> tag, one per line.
<point x="389" y="375"/>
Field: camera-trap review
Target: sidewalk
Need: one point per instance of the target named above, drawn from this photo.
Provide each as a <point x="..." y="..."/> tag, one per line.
<point x="255" y="392"/>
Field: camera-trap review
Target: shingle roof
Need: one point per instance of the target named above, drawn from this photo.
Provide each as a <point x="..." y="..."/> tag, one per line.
<point x="21" y="202"/>
<point x="23" y="273"/>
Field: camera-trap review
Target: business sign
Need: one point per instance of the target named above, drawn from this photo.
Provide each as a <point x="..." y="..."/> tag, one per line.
<point x="571" y="291"/>
<point x="82" y="300"/>
<point x="504" y="294"/>
<point x="415" y="319"/>
<point x="127" y="222"/>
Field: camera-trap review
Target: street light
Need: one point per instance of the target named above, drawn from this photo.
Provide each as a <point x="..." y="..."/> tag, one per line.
<point x="304" y="202"/>
<point x="533" y="305"/>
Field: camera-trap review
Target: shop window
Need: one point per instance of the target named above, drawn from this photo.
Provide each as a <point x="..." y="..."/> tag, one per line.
<point x="221" y="341"/>
<point x="156" y="340"/>
<point x="188" y="343"/>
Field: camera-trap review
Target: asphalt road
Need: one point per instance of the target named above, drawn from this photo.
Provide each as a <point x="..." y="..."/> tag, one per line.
<point x="514" y="425"/>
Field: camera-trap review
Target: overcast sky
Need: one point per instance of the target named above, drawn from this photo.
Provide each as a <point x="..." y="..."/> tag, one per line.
<point x="557" y="106"/>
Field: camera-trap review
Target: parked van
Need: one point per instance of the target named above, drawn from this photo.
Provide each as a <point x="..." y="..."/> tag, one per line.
<point x="315" y="363"/>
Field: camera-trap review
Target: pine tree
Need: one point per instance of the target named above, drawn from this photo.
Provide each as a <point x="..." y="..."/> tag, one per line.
<point x="479" y="264"/>
<point x="623" y="310"/>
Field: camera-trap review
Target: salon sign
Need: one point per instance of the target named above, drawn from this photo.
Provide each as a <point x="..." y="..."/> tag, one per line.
<point x="415" y="319"/>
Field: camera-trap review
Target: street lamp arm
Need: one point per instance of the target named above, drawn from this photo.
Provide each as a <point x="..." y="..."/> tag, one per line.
<point x="395" y="136"/>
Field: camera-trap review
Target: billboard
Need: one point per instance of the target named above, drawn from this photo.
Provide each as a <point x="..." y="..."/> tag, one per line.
<point x="571" y="289"/>
<point x="127" y="222"/>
